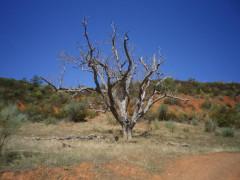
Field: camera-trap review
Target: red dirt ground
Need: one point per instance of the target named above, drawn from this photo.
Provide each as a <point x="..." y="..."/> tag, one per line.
<point x="219" y="166"/>
<point x="215" y="166"/>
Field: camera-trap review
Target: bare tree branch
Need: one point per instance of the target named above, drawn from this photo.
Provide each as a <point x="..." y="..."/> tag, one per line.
<point x="73" y="90"/>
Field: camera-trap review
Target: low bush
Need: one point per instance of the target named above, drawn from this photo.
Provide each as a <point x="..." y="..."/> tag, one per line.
<point x="227" y="132"/>
<point x="171" y="126"/>
<point x="58" y="99"/>
<point x="37" y="94"/>
<point x="51" y="120"/>
<point x="206" y="105"/>
<point x="182" y="117"/>
<point x="172" y="116"/>
<point x="76" y="111"/>
<point x="225" y="116"/>
<point x="194" y="122"/>
<point x="163" y="112"/>
<point x="236" y="116"/>
<point x="34" y="113"/>
<point x="172" y="101"/>
<point x="210" y="125"/>
<point x="10" y="121"/>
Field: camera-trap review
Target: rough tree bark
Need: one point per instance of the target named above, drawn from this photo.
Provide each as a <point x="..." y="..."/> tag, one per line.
<point x="113" y="77"/>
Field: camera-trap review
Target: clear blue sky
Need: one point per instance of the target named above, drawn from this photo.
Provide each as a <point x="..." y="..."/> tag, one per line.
<point x="199" y="39"/>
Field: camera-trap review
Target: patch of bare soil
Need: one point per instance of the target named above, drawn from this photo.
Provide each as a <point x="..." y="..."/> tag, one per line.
<point x="227" y="100"/>
<point x="83" y="171"/>
<point x="220" y="166"/>
<point x="127" y="171"/>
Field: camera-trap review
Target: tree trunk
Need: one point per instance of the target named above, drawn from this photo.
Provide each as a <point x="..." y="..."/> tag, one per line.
<point x="127" y="132"/>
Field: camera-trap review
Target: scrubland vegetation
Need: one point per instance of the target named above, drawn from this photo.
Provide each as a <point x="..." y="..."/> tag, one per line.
<point x="41" y="128"/>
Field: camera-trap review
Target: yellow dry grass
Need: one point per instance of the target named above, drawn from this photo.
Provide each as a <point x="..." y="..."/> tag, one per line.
<point x="151" y="147"/>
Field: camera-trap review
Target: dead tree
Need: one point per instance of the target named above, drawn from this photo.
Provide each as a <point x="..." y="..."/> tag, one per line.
<point x="113" y="77"/>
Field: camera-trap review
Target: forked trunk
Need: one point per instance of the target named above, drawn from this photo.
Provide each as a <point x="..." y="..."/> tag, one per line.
<point x="127" y="132"/>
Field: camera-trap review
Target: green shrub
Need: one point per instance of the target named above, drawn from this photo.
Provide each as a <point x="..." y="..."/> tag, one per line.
<point x="206" y="105"/>
<point x="34" y="113"/>
<point x="236" y="115"/>
<point x="37" y="94"/>
<point x="237" y="107"/>
<point x="182" y="117"/>
<point x="51" y="120"/>
<point x="194" y="121"/>
<point x="37" y="118"/>
<point x="172" y="101"/>
<point x="224" y="116"/>
<point x="163" y="112"/>
<point x="58" y="99"/>
<point x="227" y="132"/>
<point x="168" y="84"/>
<point x="171" y="115"/>
<point x="170" y="125"/>
<point x="10" y="121"/>
<point x="76" y="111"/>
<point x="210" y="125"/>
<point x="61" y="114"/>
<point x="2" y="104"/>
